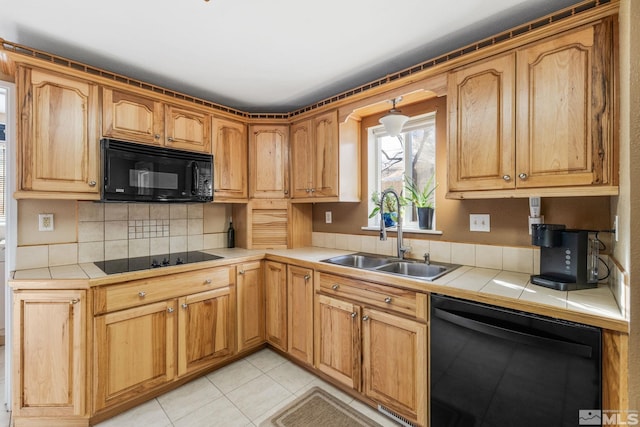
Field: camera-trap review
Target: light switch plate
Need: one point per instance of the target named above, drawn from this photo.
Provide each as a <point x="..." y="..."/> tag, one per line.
<point x="480" y="222"/>
<point x="45" y="222"/>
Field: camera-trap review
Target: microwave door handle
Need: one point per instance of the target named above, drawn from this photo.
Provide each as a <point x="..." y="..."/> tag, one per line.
<point x="195" y="178"/>
<point x="509" y="334"/>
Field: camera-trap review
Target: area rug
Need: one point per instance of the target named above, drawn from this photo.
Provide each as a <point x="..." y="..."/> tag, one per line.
<point x="318" y="408"/>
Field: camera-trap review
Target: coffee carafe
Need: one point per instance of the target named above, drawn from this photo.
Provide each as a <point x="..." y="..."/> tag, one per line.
<point x="568" y="258"/>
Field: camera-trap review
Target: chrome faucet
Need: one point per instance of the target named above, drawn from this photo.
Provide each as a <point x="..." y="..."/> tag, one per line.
<point x="427" y="258"/>
<point x="383" y="231"/>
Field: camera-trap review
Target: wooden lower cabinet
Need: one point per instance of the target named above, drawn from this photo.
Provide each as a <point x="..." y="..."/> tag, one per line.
<point x="134" y="351"/>
<point x="49" y="357"/>
<point x="300" y="313"/>
<point x="206" y="329"/>
<point x="380" y="354"/>
<point x="275" y="289"/>
<point x="394" y="360"/>
<point x="250" y="305"/>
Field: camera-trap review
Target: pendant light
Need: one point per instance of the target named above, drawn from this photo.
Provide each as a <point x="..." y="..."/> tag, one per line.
<point x="394" y="120"/>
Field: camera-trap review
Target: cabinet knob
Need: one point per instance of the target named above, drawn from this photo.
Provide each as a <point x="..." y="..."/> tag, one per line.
<point x="170" y="310"/>
<point x="335" y="286"/>
<point x="74" y="301"/>
<point x="170" y="139"/>
<point x="241" y="272"/>
<point x="387" y="300"/>
<point x="184" y="305"/>
<point x="207" y="281"/>
<point x="156" y="136"/>
<point x="506" y="177"/>
<point x="307" y="190"/>
<point x="354" y="315"/>
<point x="365" y="318"/>
<point x="142" y="294"/>
<point x="523" y="176"/>
<point x="313" y="190"/>
<point x="307" y="277"/>
<point x="286" y="191"/>
<point x="92" y="183"/>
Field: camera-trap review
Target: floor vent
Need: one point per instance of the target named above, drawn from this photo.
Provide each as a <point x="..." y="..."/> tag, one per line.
<point x="395" y="417"/>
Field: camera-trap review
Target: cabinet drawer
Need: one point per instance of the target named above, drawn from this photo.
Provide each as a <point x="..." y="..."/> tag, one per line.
<point x="403" y="301"/>
<point x="144" y="291"/>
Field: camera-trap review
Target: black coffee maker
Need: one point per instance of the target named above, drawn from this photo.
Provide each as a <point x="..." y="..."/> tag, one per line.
<point x="568" y="258"/>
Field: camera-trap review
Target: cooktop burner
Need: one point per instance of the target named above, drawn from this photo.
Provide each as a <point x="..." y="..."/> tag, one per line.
<point x="124" y="265"/>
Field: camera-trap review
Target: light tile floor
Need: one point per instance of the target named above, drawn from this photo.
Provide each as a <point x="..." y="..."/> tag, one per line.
<point x="244" y="393"/>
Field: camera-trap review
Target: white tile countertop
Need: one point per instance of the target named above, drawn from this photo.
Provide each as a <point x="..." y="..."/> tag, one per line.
<point x="595" y="306"/>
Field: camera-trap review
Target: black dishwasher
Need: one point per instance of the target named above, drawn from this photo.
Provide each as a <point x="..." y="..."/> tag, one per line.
<point x="494" y="367"/>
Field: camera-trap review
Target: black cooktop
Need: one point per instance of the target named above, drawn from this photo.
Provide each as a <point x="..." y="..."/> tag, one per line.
<point x="124" y="265"/>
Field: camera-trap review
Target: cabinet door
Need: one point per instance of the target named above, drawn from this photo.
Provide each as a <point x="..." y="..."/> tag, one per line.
<point x="250" y="305"/>
<point x="481" y="129"/>
<point x="59" y="133"/>
<point x="300" y="309"/>
<point x="206" y="329"/>
<point x="555" y="141"/>
<point x="49" y="348"/>
<point x="269" y="161"/>
<point x="187" y="129"/>
<point x="132" y="117"/>
<point x="134" y="352"/>
<point x="230" y="159"/>
<point x="325" y="140"/>
<point x="275" y="288"/>
<point x="337" y="340"/>
<point x="302" y="160"/>
<point x="394" y="353"/>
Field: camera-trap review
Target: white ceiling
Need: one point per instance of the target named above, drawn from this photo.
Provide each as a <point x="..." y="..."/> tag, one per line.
<point x="259" y="55"/>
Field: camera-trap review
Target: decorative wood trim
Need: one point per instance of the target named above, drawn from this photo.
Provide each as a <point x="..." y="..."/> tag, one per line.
<point x="590" y="190"/>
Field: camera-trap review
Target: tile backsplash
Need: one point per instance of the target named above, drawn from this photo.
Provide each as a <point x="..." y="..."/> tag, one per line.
<point x="108" y="231"/>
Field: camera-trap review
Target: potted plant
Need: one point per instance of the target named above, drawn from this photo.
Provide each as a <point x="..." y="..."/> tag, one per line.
<point x="423" y="200"/>
<point x="390" y="212"/>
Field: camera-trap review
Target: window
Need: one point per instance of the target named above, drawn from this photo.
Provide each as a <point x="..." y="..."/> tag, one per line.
<point x="395" y="160"/>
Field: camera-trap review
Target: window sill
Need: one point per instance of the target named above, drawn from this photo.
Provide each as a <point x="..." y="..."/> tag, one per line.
<point x="404" y="230"/>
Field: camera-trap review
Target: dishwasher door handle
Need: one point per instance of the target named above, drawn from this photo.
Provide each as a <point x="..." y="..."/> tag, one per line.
<point x="514" y="335"/>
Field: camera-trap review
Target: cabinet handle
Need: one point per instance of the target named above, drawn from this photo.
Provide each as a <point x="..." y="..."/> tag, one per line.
<point x="313" y="190"/>
<point x="506" y="177"/>
<point x="92" y="183"/>
<point x="74" y="301"/>
<point x="307" y="277"/>
<point x="523" y="176"/>
<point x="156" y="136"/>
<point x="335" y="286"/>
<point x="387" y="300"/>
<point x="170" y="310"/>
<point x="184" y="305"/>
<point x="142" y="294"/>
<point x="354" y="315"/>
<point x="365" y="318"/>
<point x="286" y="191"/>
<point x="307" y="190"/>
<point x="207" y="281"/>
<point x="241" y="272"/>
<point x="170" y="139"/>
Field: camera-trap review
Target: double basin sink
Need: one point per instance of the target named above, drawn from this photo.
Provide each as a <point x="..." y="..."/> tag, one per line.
<point x="401" y="267"/>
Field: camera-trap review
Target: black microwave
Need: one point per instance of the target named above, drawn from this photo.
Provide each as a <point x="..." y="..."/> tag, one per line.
<point x="146" y="173"/>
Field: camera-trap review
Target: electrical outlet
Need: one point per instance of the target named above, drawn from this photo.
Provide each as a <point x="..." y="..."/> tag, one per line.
<point x="480" y="222"/>
<point x="45" y="222"/>
<point x="327" y="217"/>
<point x="615" y="227"/>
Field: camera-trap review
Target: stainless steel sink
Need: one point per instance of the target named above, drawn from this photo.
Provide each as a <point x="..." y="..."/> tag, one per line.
<point x="393" y="265"/>
<point x="415" y="269"/>
<point x="364" y="261"/>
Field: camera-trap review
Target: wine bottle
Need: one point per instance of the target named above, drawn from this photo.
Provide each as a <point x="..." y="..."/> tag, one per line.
<point x="231" y="235"/>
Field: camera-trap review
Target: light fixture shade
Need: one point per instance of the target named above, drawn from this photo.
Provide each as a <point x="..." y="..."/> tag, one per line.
<point x="393" y="122"/>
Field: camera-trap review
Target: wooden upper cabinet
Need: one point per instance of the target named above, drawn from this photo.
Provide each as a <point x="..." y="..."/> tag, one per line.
<point x="302" y="174"/>
<point x="481" y="128"/>
<point x="539" y="118"/>
<point x="131" y="117"/>
<point x="58" y="133"/>
<point x="269" y="161"/>
<point x="562" y="106"/>
<point x="230" y="160"/>
<point x="187" y="129"/>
